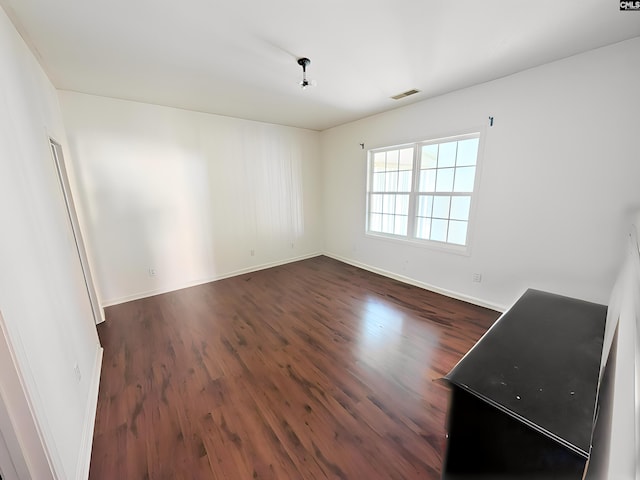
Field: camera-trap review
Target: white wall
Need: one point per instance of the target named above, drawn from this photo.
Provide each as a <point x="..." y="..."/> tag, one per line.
<point x="559" y="179"/>
<point x="43" y="299"/>
<point x="189" y="194"/>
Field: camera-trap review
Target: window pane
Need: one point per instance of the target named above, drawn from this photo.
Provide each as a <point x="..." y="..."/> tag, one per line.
<point x="447" y="154"/>
<point x="425" y="205"/>
<point x="457" y="232"/>
<point x="392" y="161"/>
<point x="444" y="182"/>
<point x="401" y="225"/>
<point x="387" y="223"/>
<point x="439" y="230"/>
<point x="388" y="203"/>
<point x="402" y="205"/>
<point x="460" y="208"/>
<point x="429" y="156"/>
<point x="464" y="179"/>
<point x="404" y="181"/>
<point x="375" y="222"/>
<point x="378" y="182"/>
<point x="406" y="159"/>
<point x="441" y="206"/>
<point x="379" y="162"/>
<point x="467" y="152"/>
<point x="428" y="180"/>
<point x="375" y="205"/>
<point x="423" y="228"/>
<point x="392" y="182"/>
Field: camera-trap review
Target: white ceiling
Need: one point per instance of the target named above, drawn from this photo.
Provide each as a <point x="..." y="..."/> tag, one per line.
<point x="238" y="58"/>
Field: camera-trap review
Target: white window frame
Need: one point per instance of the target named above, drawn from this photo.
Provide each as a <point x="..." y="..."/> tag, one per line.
<point x="410" y="237"/>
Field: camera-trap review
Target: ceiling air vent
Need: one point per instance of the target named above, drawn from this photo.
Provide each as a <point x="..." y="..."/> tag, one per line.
<point x="405" y="94"/>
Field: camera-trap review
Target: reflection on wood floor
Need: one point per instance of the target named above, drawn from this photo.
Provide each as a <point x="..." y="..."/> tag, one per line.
<point x="311" y="370"/>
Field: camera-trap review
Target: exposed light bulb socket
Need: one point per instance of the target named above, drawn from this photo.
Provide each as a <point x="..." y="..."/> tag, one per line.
<point x="304" y="62"/>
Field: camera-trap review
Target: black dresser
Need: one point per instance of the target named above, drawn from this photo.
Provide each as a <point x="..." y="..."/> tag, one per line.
<point x="526" y="398"/>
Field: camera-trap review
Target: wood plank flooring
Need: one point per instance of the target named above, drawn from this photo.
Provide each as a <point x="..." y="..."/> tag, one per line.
<point x="311" y="370"/>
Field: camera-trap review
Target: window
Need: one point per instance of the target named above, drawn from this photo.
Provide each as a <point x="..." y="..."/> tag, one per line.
<point x="423" y="191"/>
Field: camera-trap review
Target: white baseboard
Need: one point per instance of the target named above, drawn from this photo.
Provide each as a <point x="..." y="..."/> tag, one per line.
<point x="242" y="271"/>
<point x="401" y="278"/>
<point x="417" y="283"/>
<point x="84" y="458"/>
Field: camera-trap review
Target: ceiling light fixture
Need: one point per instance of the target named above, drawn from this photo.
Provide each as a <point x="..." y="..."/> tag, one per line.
<point x="304" y="63"/>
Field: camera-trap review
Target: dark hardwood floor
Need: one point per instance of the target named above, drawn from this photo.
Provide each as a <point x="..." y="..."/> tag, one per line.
<point x="311" y="370"/>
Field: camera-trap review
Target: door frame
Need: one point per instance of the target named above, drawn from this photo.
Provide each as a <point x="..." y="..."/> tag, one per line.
<point x="21" y="432"/>
<point x="61" y="169"/>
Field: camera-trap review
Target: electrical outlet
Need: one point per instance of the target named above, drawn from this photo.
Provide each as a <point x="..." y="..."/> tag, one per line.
<point x="76" y="370"/>
<point x="152" y="271"/>
<point x="476" y="277"/>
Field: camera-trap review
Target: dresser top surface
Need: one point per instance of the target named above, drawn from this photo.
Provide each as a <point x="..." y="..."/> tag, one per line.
<point x="540" y="362"/>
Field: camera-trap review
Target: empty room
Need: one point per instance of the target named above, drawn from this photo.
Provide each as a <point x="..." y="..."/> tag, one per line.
<point x="298" y="240"/>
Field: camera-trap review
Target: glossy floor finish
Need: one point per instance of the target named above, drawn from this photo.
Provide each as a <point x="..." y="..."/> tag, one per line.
<point x="311" y="370"/>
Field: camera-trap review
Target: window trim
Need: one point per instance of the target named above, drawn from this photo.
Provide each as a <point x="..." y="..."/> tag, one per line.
<point x="410" y="239"/>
